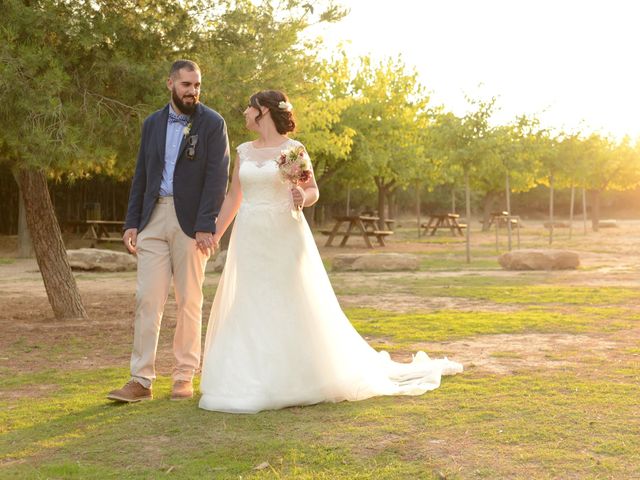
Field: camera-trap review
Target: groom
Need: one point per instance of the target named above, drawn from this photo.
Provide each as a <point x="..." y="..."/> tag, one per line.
<point x="177" y="190"/>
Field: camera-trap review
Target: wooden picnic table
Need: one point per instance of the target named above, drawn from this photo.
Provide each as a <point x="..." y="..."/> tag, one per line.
<point x="500" y="219"/>
<point x="100" y="230"/>
<point x="445" y="221"/>
<point x="357" y="225"/>
<point x="505" y="220"/>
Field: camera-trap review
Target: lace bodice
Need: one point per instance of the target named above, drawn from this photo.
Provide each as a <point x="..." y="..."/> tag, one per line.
<point x="260" y="179"/>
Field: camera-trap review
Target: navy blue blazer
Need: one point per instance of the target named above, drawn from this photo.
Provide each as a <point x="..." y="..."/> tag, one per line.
<point x="199" y="182"/>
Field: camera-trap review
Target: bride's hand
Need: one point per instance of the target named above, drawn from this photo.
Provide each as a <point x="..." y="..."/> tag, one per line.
<point x="216" y="243"/>
<point x="298" y="196"/>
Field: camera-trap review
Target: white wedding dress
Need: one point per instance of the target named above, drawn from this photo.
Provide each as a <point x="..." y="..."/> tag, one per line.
<point x="277" y="336"/>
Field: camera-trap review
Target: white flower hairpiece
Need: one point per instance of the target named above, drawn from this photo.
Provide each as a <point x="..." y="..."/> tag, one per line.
<point x="285" y="106"/>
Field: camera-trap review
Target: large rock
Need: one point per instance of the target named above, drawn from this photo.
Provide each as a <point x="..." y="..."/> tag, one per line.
<point x="99" y="260"/>
<point x="375" y="262"/>
<point x="530" y="259"/>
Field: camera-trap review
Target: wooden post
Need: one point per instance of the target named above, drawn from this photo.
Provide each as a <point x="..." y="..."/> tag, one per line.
<point x="573" y="197"/>
<point x="418" y="208"/>
<point x="467" y="195"/>
<point x="584" y="210"/>
<point x="508" y="194"/>
<point x="348" y="200"/>
<point x="550" y="209"/>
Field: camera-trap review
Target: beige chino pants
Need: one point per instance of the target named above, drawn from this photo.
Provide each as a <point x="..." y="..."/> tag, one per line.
<point x="166" y="252"/>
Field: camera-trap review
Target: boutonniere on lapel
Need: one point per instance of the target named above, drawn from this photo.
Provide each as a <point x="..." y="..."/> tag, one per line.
<point x="192" y="141"/>
<point x="186" y="129"/>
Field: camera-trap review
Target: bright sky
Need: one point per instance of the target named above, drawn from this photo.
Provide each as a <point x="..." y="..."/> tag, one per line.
<point x="573" y="63"/>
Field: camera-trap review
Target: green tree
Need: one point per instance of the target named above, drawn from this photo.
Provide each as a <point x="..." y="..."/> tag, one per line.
<point x="77" y="78"/>
<point x="246" y="45"/>
<point x="430" y="167"/>
<point x="573" y="150"/>
<point x="385" y="115"/>
<point x="465" y="139"/>
<point x="509" y="164"/>
<point x="74" y="83"/>
<point x="610" y="166"/>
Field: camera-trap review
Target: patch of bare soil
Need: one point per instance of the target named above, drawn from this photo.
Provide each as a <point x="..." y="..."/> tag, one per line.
<point x="505" y="354"/>
<point x="33" y="340"/>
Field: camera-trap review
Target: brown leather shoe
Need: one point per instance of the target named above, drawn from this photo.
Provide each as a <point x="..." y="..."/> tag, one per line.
<point x="182" y="390"/>
<point x="131" y="392"/>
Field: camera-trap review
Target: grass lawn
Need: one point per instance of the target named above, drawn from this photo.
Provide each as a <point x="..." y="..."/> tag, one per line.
<point x="523" y="409"/>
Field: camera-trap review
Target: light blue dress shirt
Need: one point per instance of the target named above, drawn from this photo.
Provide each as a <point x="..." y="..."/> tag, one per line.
<point x="175" y="132"/>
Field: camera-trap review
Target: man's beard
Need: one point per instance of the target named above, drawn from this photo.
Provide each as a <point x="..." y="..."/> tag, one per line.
<point x="185" y="108"/>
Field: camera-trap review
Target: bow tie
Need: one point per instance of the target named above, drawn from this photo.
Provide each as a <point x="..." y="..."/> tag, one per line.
<point x="175" y="118"/>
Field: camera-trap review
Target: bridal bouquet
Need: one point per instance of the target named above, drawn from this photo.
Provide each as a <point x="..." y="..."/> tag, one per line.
<point x="294" y="165"/>
<point x="295" y="168"/>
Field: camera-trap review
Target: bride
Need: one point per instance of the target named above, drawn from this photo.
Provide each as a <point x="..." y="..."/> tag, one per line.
<point x="277" y="336"/>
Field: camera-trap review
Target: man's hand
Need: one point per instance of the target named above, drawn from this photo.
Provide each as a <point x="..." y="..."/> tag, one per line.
<point x="206" y="243"/>
<point x="130" y="238"/>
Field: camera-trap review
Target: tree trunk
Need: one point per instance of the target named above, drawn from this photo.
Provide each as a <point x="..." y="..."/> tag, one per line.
<point x="25" y="245"/>
<point x="487" y="207"/>
<point x="348" y="212"/>
<point x="571" y="207"/>
<point x="595" y="211"/>
<point x="383" y="192"/>
<point x="381" y="201"/>
<point x="453" y="200"/>
<point x="51" y="255"/>
<point x="508" y="197"/>
<point x="391" y="202"/>
<point x="550" y="209"/>
<point x="584" y="210"/>
<point x="310" y="215"/>
<point x="467" y="195"/>
<point x="418" y="219"/>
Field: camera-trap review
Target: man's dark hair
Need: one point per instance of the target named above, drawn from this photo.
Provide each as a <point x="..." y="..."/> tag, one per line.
<point x="186" y="64"/>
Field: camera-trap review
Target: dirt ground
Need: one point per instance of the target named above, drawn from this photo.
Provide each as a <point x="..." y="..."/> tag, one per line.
<point x="31" y="335"/>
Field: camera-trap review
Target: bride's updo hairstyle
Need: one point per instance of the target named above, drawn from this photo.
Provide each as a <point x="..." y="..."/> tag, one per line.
<point x="278" y="104"/>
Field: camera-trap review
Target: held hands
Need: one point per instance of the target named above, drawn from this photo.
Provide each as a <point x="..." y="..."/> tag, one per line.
<point x="298" y="197"/>
<point x="207" y="242"/>
<point x="130" y="237"/>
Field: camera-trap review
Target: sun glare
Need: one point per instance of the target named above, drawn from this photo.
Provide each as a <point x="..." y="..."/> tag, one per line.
<point x="570" y="63"/>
